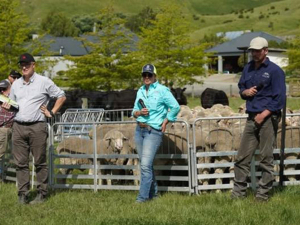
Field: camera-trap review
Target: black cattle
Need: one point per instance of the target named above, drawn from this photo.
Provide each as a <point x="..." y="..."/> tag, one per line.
<point x="120" y="99"/>
<point x="126" y="99"/>
<point x="96" y="99"/>
<point x="179" y="96"/>
<point x="73" y="100"/>
<point x="210" y="97"/>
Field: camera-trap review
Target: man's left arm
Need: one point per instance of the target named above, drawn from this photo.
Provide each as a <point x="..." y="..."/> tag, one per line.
<point x="53" y="91"/>
<point x="278" y="95"/>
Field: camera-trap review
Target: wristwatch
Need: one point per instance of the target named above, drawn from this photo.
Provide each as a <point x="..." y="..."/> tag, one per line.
<point x="52" y="114"/>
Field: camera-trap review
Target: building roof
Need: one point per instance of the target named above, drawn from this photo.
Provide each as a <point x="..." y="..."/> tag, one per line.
<point x="236" y="45"/>
<point x="60" y="46"/>
<point x="229" y="35"/>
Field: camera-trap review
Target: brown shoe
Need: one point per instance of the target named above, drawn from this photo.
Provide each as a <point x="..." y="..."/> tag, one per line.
<point x="38" y="199"/>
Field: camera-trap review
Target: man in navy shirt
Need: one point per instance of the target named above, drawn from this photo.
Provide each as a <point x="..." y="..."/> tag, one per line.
<point x="262" y="85"/>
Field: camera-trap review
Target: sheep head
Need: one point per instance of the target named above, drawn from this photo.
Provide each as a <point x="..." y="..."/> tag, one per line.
<point x="115" y="139"/>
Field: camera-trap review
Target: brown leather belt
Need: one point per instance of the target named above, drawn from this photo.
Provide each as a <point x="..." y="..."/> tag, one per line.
<point x="144" y="125"/>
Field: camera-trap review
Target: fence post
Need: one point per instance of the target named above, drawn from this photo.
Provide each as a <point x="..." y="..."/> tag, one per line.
<point x="95" y="158"/>
<point x="252" y="173"/>
<point x="193" y="92"/>
<point x="230" y="90"/>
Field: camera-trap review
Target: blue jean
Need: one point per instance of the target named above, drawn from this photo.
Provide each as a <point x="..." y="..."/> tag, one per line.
<point x="147" y="143"/>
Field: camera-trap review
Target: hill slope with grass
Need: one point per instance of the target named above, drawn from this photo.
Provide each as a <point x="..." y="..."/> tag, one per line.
<point x="37" y="8"/>
<point x="279" y="17"/>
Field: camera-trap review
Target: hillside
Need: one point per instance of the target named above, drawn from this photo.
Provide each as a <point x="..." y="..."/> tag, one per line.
<point x="207" y="17"/>
<point x="278" y="18"/>
<point x="37" y="8"/>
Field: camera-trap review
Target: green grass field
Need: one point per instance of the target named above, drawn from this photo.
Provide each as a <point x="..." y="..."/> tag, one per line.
<point x="119" y="207"/>
<point x="274" y="17"/>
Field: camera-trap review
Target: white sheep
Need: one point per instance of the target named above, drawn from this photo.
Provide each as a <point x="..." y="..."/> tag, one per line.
<point x="112" y="143"/>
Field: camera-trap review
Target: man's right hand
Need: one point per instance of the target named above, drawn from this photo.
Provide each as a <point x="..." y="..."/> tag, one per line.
<point x="250" y="92"/>
<point x="6" y="105"/>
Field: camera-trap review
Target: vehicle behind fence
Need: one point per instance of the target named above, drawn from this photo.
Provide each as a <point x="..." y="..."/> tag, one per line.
<point x="88" y="152"/>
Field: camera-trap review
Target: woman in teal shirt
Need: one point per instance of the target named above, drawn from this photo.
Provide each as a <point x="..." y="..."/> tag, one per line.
<point x="154" y="107"/>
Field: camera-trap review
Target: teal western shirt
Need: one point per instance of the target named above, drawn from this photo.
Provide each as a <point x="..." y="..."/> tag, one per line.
<point x="158" y="101"/>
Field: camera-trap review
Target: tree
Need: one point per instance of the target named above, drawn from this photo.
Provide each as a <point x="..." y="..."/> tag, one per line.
<point x="294" y="58"/>
<point x="167" y="45"/>
<point x="14" y="32"/>
<point x="57" y="24"/>
<point x="143" y="19"/>
<point x="86" y="23"/>
<point x="109" y="64"/>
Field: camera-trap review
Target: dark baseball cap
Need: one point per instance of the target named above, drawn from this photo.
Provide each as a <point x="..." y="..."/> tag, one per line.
<point x="26" y="57"/>
<point x="149" y="68"/>
<point x="4" y="84"/>
<point x="14" y="73"/>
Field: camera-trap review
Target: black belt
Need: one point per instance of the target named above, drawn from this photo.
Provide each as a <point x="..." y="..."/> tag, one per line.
<point x="29" y="123"/>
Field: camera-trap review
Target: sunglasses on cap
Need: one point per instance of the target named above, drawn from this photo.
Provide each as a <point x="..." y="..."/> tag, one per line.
<point x="150" y="75"/>
<point x="14" y="77"/>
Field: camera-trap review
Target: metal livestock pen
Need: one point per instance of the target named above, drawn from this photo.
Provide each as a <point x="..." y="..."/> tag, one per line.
<point x="193" y="158"/>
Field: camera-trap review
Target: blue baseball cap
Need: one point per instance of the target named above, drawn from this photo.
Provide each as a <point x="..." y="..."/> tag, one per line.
<point x="149" y="68"/>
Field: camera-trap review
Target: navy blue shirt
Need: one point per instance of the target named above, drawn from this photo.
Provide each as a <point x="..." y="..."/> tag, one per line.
<point x="270" y="81"/>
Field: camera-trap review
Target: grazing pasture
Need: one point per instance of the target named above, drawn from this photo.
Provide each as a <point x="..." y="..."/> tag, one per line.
<point x="119" y="207"/>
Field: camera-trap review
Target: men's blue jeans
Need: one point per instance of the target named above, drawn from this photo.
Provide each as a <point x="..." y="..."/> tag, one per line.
<point x="147" y="141"/>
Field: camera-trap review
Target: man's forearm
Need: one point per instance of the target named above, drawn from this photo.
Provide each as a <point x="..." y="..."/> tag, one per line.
<point x="58" y="104"/>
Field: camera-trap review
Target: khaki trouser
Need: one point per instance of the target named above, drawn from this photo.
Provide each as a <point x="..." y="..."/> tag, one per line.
<point x="30" y="138"/>
<point x="5" y="136"/>
<point x="254" y="137"/>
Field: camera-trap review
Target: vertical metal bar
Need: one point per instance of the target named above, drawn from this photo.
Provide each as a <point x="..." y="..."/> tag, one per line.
<point x="122" y="115"/>
<point x="95" y="158"/>
<point x="189" y="157"/>
<point x="281" y="168"/>
<point x="194" y="162"/>
<point x="51" y="152"/>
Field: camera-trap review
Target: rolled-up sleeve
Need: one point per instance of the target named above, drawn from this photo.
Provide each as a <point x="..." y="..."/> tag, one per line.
<point x="172" y="104"/>
<point x="53" y="90"/>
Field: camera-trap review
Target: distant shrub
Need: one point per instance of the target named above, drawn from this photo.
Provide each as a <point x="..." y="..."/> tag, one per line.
<point x="286" y="9"/>
<point x="267" y="16"/>
<point x="271" y="25"/>
<point x="274" y="13"/>
<point x="202" y="20"/>
<point x="195" y="17"/>
<point x="241" y="16"/>
<point x="227" y="21"/>
<point x="272" y="7"/>
<point x="247" y="17"/>
<point x="261" y="17"/>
